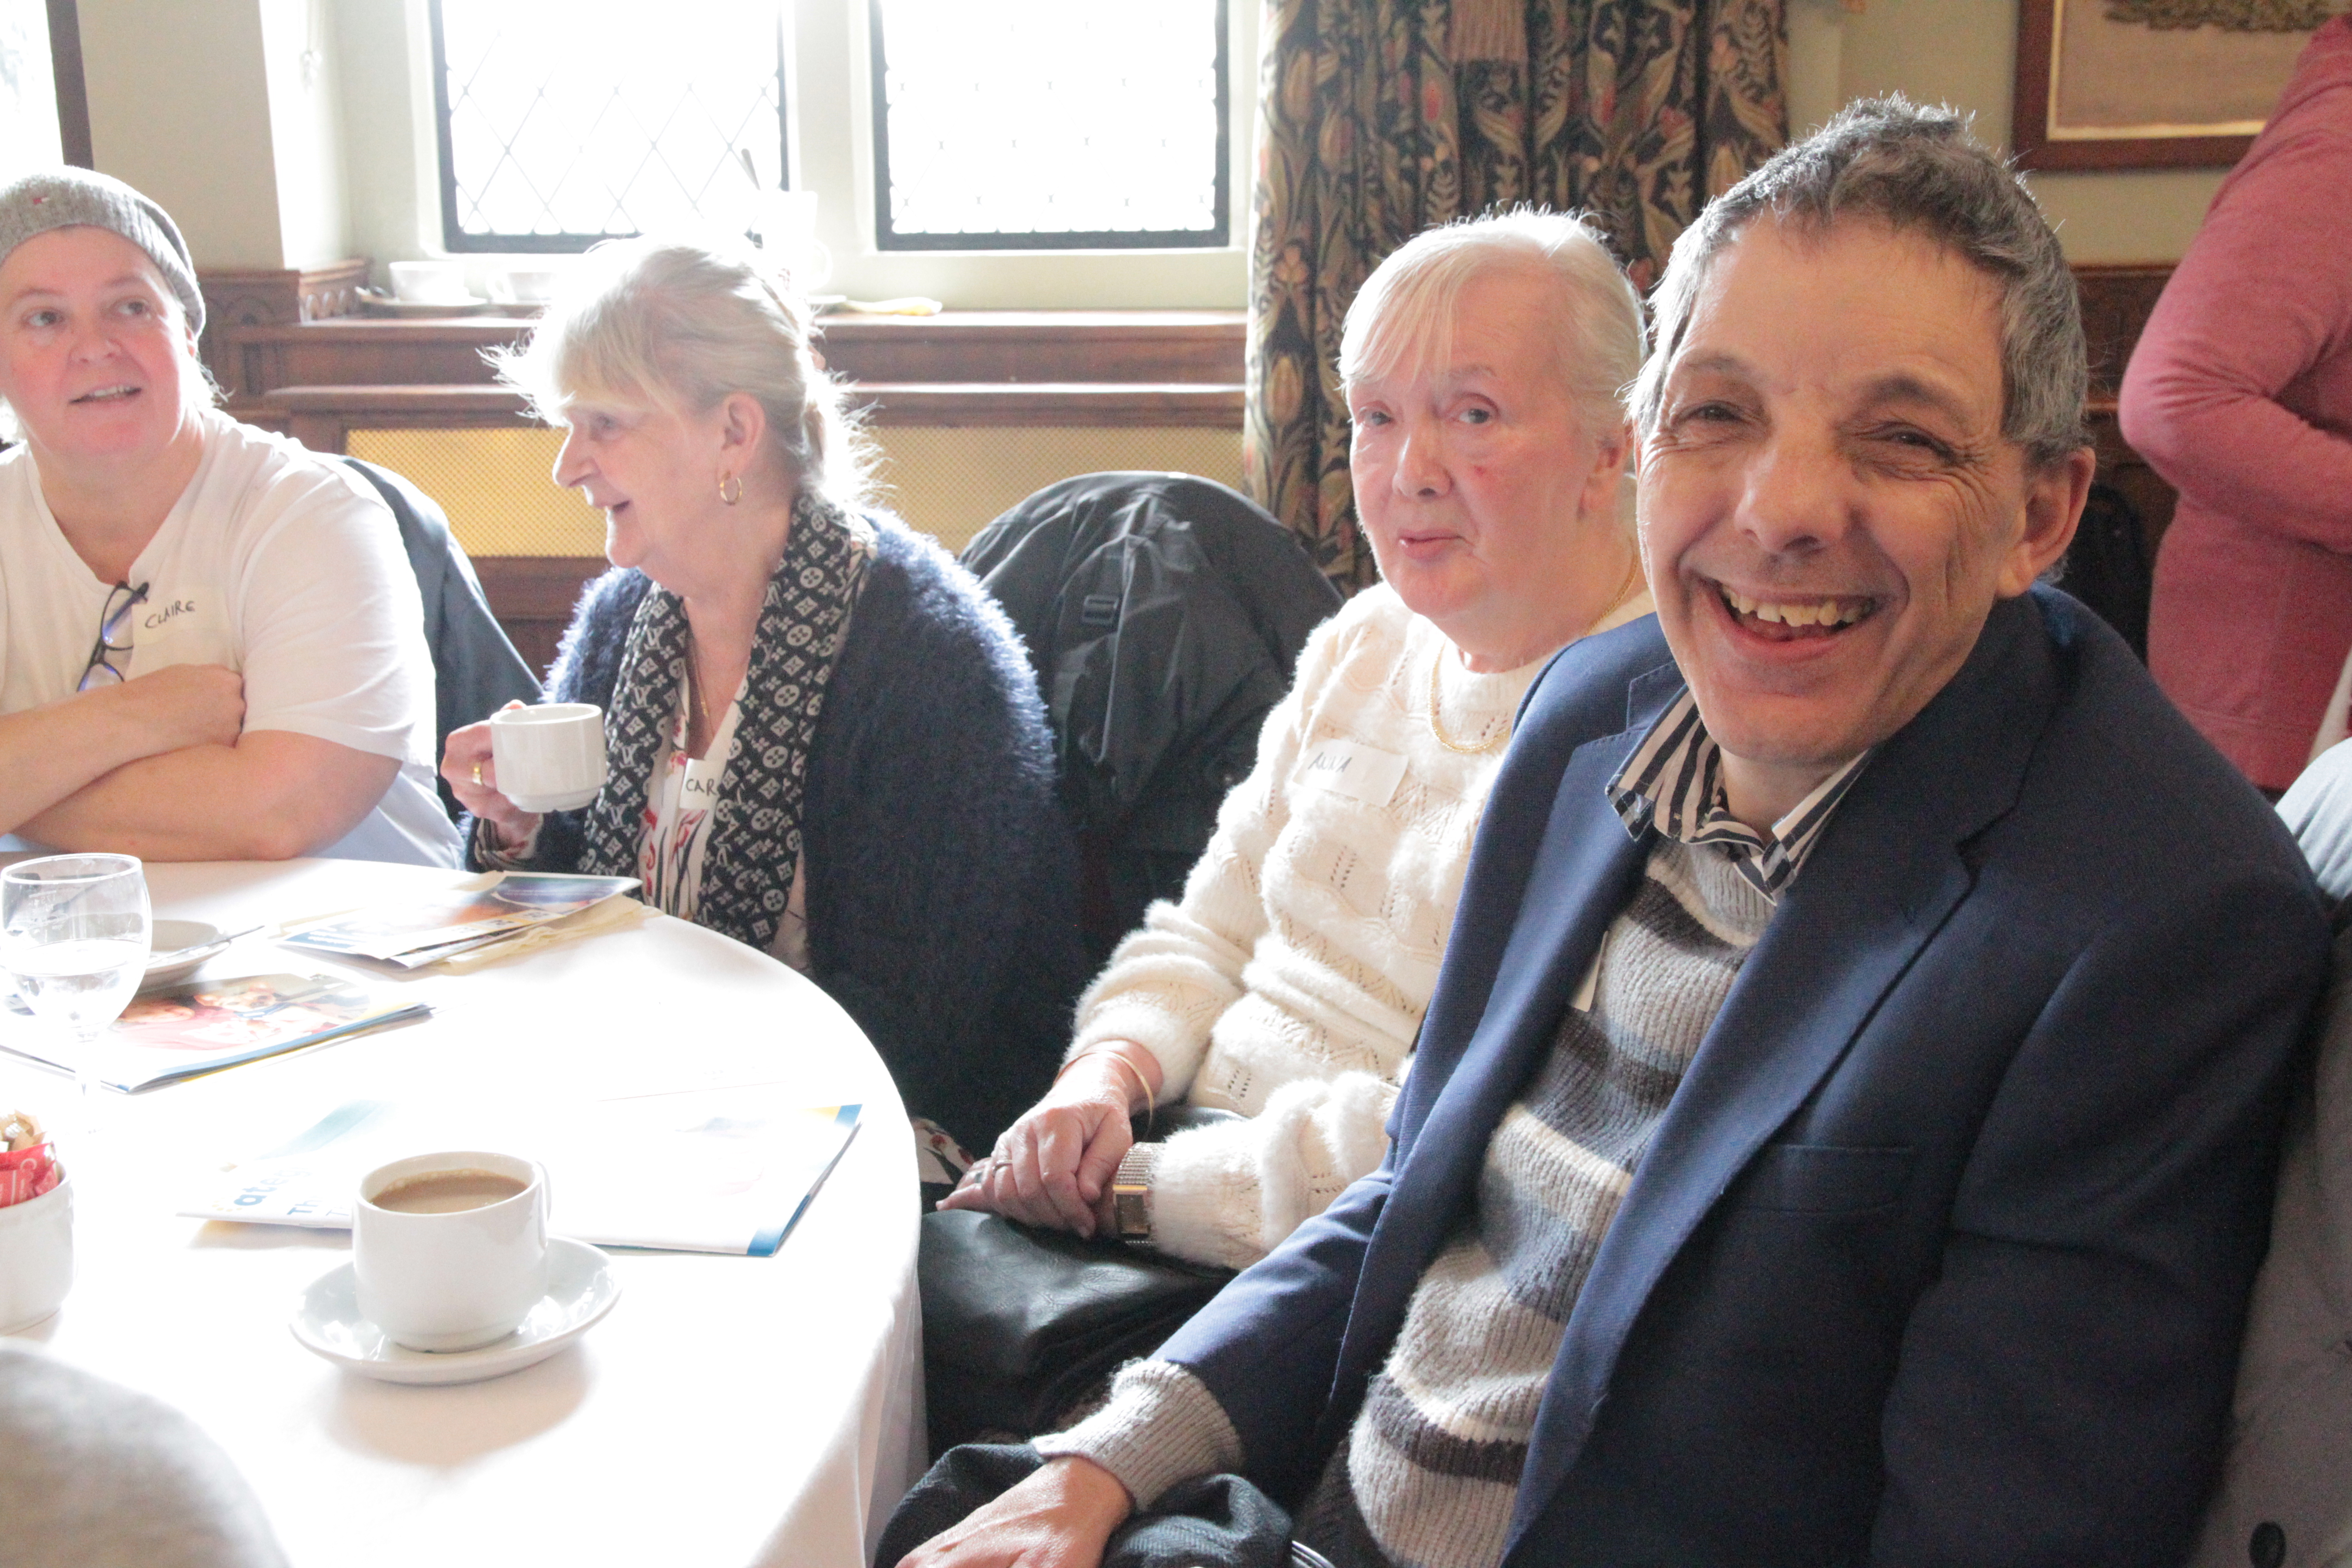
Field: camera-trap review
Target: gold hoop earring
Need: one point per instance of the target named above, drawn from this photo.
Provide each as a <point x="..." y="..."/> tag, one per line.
<point x="735" y="479"/>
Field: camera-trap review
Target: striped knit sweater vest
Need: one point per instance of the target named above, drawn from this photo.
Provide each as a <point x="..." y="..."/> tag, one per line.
<point x="1430" y="1471"/>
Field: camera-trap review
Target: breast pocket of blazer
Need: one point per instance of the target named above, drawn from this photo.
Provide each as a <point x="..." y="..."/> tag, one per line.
<point x="1823" y="1179"/>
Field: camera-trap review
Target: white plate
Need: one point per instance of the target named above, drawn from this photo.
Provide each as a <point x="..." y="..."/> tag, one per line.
<point x="207" y="941"/>
<point x="580" y="1291"/>
<point x="425" y="309"/>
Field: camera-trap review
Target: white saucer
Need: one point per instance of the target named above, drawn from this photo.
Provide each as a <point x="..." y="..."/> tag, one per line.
<point x="425" y="309"/>
<point x="194" y="941"/>
<point x="580" y="1291"/>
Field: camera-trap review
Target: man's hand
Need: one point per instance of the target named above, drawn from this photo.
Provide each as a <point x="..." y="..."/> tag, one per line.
<point x="1053" y="1167"/>
<point x="1061" y="1517"/>
<point x="179" y="706"/>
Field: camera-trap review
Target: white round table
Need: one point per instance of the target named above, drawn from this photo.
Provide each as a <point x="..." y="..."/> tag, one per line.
<point x="729" y="1411"/>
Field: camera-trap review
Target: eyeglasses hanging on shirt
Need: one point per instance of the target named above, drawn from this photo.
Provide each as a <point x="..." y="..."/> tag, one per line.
<point x="113" y="637"/>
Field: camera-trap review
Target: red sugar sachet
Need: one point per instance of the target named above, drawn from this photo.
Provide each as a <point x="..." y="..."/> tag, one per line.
<point x="27" y="1173"/>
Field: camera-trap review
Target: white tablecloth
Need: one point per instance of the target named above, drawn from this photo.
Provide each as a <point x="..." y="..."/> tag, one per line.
<point x="729" y="1411"/>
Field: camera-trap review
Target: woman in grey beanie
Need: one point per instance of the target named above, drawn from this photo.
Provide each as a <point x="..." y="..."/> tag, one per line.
<point x="210" y="646"/>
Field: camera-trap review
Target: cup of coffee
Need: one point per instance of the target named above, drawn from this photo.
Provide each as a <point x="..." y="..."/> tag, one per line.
<point x="449" y="1251"/>
<point x="550" y="756"/>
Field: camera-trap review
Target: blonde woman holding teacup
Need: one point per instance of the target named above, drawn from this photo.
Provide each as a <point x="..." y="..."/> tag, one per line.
<point x="822" y="739"/>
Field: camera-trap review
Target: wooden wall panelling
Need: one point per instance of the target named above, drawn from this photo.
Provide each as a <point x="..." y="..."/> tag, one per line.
<point x="320" y="376"/>
<point x="532" y="597"/>
<point x="1186" y="347"/>
<point x="2115" y="302"/>
<point x="319" y="416"/>
<point x="1038" y="346"/>
<point x="363" y="351"/>
<point x="236" y="300"/>
<point x="1108" y="405"/>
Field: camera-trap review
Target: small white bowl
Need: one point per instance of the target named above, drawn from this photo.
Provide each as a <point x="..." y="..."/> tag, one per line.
<point x="36" y="1257"/>
<point x="430" y="283"/>
<point x="194" y="941"/>
<point x="525" y="285"/>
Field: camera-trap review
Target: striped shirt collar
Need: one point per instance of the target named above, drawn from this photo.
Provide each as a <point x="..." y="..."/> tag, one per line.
<point x="1674" y="780"/>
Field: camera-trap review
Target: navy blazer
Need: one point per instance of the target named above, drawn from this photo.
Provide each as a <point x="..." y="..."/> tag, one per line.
<point x="1940" y="1253"/>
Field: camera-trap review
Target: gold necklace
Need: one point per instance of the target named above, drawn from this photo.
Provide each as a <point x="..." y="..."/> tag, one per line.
<point x="695" y="717"/>
<point x="1437" y="728"/>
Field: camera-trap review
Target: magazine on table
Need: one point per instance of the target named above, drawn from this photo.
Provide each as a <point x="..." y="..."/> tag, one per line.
<point x="204" y="1026"/>
<point x="704" y="1170"/>
<point x="492" y="910"/>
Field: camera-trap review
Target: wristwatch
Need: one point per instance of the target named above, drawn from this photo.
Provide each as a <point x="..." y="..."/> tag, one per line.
<point x="1130" y="1192"/>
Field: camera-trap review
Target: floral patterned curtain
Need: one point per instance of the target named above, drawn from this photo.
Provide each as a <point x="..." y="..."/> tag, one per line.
<point x="1380" y="117"/>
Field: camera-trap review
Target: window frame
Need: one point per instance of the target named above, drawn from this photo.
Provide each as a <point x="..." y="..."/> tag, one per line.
<point x="887" y="238"/>
<point x="394" y="174"/>
<point x="456" y="241"/>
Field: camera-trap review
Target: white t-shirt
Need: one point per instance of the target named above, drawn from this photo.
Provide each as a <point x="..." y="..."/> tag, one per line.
<point x="278" y="564"/>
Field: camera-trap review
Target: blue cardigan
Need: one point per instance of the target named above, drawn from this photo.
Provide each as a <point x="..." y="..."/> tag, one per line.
<point x="941" y="879"/>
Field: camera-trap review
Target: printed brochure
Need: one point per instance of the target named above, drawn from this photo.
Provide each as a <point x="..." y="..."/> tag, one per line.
<point x="704" y="1170"/>
<point x="217" y="1023"/>
<point x="413" y="935"/>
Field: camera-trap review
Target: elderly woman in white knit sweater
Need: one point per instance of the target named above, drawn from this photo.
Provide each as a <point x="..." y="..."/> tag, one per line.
<point x="1482" y="364"/>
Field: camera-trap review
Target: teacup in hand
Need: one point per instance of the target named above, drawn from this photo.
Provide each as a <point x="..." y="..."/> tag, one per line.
<point x="550" y="756"/>
<point x="449" y="1251"/>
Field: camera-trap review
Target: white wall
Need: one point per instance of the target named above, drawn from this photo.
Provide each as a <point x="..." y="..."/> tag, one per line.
<point x="392" y="192"/>
<point x="306" y="130"/>
<point x="1963" y="52"/>
<point x="211" y="108"/>
<point x="179" y="106"/>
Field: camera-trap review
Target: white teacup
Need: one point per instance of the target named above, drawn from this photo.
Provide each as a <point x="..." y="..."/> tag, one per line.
<point x="550" y="757"/>
<point x="449" y="1250"/>
<point x="36" y="1257"/>
<point x="430" y="283"/>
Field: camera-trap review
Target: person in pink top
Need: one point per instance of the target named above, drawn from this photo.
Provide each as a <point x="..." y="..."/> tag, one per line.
<point x="2241" y="395"/>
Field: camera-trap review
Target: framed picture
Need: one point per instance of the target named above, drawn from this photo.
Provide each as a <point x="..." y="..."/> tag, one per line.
<point x="2147" y="84"/>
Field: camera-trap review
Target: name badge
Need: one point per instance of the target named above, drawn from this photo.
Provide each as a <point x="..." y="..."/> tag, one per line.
<point x="1353" y="769"/>
<point x="160" y="618"/>
<point x="181" y="627"/>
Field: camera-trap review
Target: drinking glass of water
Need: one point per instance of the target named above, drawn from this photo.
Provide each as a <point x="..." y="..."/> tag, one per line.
<point x="74" y="937"/>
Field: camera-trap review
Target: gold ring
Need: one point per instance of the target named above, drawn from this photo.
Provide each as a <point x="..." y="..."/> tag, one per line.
<point x="478" y="775"/>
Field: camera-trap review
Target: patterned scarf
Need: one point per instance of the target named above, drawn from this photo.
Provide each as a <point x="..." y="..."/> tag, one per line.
<point x="755" y="833"/>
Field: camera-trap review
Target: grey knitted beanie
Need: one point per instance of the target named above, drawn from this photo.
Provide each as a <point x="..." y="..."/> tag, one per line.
<point x="62" y="197"/>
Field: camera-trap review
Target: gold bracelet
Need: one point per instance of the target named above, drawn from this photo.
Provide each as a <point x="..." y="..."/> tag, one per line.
<point x="1142" y="1089"/>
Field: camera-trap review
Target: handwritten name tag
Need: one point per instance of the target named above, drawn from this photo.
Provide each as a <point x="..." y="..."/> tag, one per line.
<point x="699" y="789"/>
<point x="1353" y="769"/>
<point x="182" y="626"/>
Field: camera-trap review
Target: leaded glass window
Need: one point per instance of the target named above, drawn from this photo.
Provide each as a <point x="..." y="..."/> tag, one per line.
<point x="1049" y="124"/>
<point x="567" y="121"/>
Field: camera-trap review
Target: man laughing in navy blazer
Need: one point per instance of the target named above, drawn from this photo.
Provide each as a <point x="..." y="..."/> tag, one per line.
<point x="1844" y="1128"/>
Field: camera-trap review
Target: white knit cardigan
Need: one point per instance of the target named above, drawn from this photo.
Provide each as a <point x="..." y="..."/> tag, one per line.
<point x="1289" y="981"/>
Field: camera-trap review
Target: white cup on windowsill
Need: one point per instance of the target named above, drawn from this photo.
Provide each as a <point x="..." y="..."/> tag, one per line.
<point x="525" y="285"/>
<point x="430" y="283"/>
